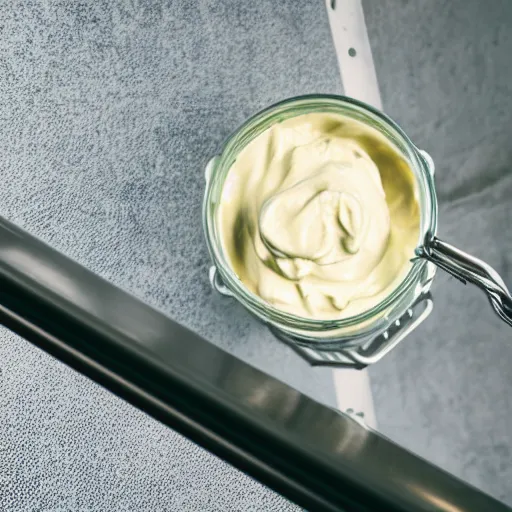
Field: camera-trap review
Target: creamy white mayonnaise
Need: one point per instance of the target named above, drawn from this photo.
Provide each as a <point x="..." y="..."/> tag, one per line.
<point x="319" y="216"/>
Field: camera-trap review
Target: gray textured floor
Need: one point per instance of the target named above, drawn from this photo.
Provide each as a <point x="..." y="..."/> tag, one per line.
<point x="445" y="75"/>
<point x="109" y="113"/>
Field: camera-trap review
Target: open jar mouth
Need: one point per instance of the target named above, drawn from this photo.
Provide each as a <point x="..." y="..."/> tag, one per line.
<point x="219" y="167"/>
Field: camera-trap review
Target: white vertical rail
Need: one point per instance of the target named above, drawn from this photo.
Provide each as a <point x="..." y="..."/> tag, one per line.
<point x="359" y="80"/>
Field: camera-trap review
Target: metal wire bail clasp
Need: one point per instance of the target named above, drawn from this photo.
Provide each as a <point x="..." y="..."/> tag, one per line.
<point x="468" y="269"/>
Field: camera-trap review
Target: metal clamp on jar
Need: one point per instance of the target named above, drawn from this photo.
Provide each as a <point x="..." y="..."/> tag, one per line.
<point x="363" y="339"/>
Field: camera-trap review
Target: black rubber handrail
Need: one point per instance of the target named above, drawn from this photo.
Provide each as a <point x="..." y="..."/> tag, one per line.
<point x="313" y="455"/>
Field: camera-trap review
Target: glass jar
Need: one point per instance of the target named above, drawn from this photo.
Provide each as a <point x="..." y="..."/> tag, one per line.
<point x="355" y="341"/>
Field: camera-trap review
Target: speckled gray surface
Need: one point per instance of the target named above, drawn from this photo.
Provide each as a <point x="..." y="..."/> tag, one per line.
<point x="445" y="75"/>
<point x="109" y="113"/>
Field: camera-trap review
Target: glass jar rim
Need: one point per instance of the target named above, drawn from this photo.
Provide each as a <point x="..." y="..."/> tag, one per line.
<point x="292" y="107"/>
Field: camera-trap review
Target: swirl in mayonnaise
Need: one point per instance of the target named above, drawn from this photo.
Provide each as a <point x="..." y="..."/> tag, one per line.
<point x="319" y="216"/>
